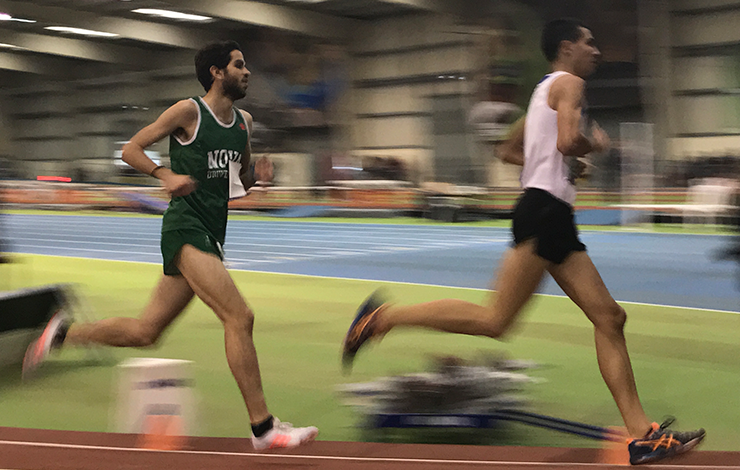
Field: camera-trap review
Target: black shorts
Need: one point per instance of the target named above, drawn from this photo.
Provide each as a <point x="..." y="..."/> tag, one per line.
<point x="540" y="215"/>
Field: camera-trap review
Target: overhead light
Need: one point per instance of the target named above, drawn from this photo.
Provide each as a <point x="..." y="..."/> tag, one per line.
<point x="81" y="31"/>
<point x="172" y="15"/>
<point x="7" y="17"/>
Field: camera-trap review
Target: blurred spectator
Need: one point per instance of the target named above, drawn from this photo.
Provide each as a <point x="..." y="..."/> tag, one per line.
<point x="492" y="117"/>
<point x="302" y="79"/>
<point x="732" y="251"/>
<point x="383" y="168"/>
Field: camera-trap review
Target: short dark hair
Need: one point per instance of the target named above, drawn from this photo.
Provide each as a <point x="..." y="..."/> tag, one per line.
<point x="557" y="31"/>
<point x="218" y="54"/>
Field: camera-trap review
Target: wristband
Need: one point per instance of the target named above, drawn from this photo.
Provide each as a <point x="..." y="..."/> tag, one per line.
<point x="151" y="173"/>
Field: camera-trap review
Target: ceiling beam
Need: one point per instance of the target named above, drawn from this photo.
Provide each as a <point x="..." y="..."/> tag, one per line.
<point x="18" y="63"/>
<point x="48" y="67"/>
<point x="75" y="48"/>
<point x="438" y="6"/>
<point x="139" y="30"/>
<point x="273" y="16"/>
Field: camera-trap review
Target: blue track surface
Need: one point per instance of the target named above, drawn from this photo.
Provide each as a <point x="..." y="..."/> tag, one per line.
<point x="638" y="267"/>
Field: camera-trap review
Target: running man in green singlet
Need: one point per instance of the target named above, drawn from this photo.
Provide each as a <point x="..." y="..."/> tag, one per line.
<point x="209" y="147"/>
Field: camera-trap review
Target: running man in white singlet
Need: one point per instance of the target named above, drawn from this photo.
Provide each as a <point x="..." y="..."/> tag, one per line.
<point x="547" y="143"/>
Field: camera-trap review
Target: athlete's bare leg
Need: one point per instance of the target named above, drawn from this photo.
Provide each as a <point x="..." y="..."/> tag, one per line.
<point x="580" y="280"/>
<point x="212" y="283"/>
<point x="518" y="277"/>
<point x="169" y="298"/>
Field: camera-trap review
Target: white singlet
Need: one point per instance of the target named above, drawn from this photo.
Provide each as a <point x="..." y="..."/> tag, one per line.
<point x="544" y="166"/>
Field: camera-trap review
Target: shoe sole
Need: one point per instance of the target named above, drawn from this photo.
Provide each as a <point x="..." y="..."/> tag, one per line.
<point x="44" y="342"/>
<point x="28" y="369"/>
<point x="366" y="311"/>
<point x="361" y="323"/>
<point x="684" y="448"/>
<point x="690" y="445"/>
<point x="348" y="357"/>
<point x="307" y="440"/>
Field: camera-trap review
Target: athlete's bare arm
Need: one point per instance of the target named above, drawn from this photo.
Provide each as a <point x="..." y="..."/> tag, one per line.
<point x="263" y="169"/>
<point x="566" y="97"/>
<point x="512" y="150"/>
<point x="180" y="119"/>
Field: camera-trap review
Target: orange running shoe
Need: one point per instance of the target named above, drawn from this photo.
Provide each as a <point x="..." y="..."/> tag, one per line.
<point x="661" y="443"/>
<point x="363" y="328"/>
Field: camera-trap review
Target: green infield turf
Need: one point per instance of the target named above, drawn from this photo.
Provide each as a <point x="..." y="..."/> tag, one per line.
<point x="685" y="360"/>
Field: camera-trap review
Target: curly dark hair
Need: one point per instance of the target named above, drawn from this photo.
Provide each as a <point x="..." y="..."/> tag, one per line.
<point x="218" y="54"/>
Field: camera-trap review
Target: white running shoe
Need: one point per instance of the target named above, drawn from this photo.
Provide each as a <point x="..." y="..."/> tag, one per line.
<point x="284" y="435"/>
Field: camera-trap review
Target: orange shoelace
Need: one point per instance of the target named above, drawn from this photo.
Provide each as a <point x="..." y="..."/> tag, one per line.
<point x="666" y="441"/>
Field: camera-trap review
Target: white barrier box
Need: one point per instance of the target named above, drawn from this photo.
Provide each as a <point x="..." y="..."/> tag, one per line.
<point x="156" y="398"/>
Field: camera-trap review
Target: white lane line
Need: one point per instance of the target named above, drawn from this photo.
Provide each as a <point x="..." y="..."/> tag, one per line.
<point x="275" y="227"/>
<point x="75" y="236"/>
<point x="46" y="247"/>
<point x="318" y="252"/>
<point x="113" y="220"/>
<point x="78" y="234"/>
<point x="270" y="257"/>
<point x="293" y="225"/>
<point x="253" y="236"/>
<point x="337" y="253"/>
<point x="328" y="224"/>
<point x="497" y="463"/>
<point x="231" y="262"/>
<point x="382" y="281"/>
<point x="478" y="289"/>
<point x="327" y="245"/>
<point x="71" y="234"/>
<point x="306" y="251"/>
<point x="87" y="242"/>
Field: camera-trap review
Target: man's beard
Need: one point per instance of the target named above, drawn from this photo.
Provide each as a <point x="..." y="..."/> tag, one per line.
<point x="233" y="91"/>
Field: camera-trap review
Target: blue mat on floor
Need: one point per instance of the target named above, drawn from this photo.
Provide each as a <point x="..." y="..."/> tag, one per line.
<point x="598" y="217"/>
<point x="148" y="204"/>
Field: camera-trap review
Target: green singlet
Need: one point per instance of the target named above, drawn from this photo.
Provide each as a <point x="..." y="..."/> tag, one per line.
<point x="199" y="219"/>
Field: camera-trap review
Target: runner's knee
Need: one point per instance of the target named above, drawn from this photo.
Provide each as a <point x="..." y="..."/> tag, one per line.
<point x="612" y="318"/>
<point x="242" y="320"/>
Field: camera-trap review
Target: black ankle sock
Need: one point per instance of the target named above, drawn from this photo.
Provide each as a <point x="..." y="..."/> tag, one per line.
<point x="260" y="429"/>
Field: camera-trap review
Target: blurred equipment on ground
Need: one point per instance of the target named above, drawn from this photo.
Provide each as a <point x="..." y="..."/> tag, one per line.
<point x="459" y="394"/>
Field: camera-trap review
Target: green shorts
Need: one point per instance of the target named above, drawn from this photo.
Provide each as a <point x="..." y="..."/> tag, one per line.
<point x="173" y="241"/>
